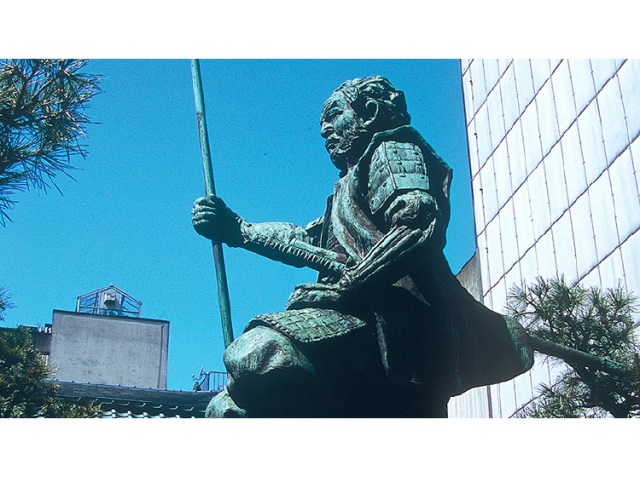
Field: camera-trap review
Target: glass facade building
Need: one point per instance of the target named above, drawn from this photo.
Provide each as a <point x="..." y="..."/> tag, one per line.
<point x="554" y="157"/>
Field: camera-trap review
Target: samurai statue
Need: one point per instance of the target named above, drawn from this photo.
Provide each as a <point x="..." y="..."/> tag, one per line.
<point x="387" y="330"/>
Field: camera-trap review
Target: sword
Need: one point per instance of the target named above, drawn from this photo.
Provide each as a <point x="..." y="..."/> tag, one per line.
<point x="218" y="257"/>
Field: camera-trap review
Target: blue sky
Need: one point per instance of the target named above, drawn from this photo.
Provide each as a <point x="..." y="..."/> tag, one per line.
<point x="125" y="219"/>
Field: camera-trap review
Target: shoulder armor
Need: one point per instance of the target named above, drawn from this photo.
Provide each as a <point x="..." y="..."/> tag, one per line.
<point x="395" y="167"/>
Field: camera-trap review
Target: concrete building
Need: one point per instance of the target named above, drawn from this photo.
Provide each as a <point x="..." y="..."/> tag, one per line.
<point x="105" y="353"/>
<point x="105" y="341"/>
<point x="554" y="161"/>
<point x="102" y="349"/>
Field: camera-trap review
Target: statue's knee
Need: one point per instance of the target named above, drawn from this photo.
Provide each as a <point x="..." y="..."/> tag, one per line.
<point x="262" y="350"/>
<point x="268" y="375"/>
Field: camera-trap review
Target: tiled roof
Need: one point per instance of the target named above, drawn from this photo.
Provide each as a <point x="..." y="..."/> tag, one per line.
<point x="132" y="402"/>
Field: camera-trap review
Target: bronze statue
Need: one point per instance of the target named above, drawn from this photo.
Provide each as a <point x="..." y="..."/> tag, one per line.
<point x="387" y="330"/>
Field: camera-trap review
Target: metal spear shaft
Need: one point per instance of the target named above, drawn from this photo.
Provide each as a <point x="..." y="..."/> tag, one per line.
<point x="210" y="188"/>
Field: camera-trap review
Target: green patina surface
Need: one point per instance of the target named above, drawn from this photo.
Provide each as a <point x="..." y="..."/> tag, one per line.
<point x="387" y="330"/>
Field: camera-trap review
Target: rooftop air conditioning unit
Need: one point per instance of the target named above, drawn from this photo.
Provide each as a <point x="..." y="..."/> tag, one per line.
<point x="110" y="301"/>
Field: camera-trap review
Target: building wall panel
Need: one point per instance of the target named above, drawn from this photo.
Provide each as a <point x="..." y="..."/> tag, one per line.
<point x="509" y="243"/>
<point x="489" y="190"/>
<point x="502" y="174"/>
<point x="496" y="118"/>
<point x="531" y="137"/>
<point x="635" y="159"/>
<point x="524" y="219"/>
<point x="540" y="72"/>
<point x="483" y="131"/>
<point x="625" y="195"/>
<point x="563" y="97"/>
<point x="586" y="255"/>
<point x="517" y="163"/>
<point x="524" y="82"/>
<point x="574" y="166"/>
<point x="631" y="262"/>
<point x="547" y="118"/>
<point x="602" y="70"/>
<point x="472" y="141"/>
<point x="509" y="92"/>
<point x="476" y="70"/>
<point x="109" y="349"/>
<point x="539" y="197"/>
<point x="603" y="216"/>
<point x="628" y="79"/>
<point x="582" y="81"/>
<point x="614" y="130"/>
<point x="571" y="205"/>
<point x="591" y="141"/>
<point x="546" y="256"/>
<point x="563" y="242"/>
<point x="556" y="183"/>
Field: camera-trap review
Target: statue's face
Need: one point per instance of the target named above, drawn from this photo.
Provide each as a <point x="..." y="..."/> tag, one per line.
<point x="342" y="130"/>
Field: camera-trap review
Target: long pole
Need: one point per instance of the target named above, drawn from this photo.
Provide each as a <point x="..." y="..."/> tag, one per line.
<point x="571" y="355"/>
<point x="210" y="188"/>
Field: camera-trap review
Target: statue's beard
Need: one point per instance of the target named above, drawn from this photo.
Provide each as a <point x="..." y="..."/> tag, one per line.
<point x="350" y="148"/>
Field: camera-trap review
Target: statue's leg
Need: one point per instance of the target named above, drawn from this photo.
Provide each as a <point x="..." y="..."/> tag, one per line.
<point x="271" y="376"/>
<point x="268" y="377"/>
<point x="223" y="406"/>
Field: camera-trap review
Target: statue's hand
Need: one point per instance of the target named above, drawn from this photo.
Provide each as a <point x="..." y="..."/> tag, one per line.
<point x="316" y="295"/>
<point x="214" y="220"/>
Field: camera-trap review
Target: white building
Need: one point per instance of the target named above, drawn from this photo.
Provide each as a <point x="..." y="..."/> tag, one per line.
<point x="554" y="157"/>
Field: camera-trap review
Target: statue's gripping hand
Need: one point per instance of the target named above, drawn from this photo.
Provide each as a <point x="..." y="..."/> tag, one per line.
<point x="213" y="219"/>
